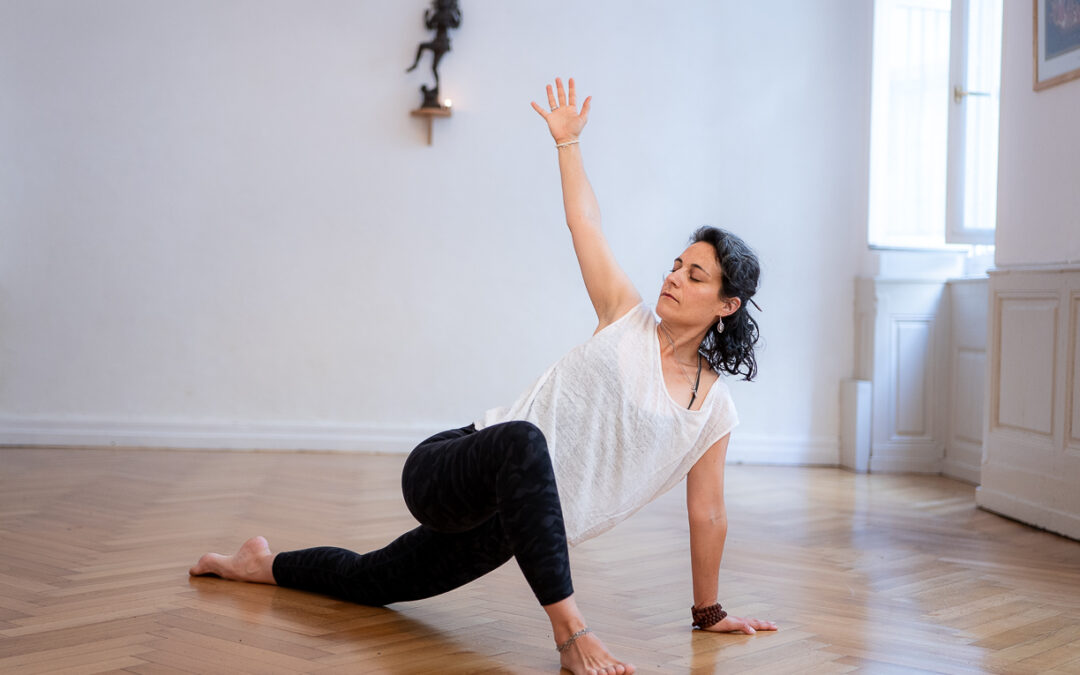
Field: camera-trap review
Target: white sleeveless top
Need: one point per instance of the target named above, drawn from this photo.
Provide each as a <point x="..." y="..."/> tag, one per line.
<point x="616" y="437"/>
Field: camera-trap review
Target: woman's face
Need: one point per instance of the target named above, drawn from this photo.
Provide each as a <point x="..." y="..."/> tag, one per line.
<point x="690" y="295"/>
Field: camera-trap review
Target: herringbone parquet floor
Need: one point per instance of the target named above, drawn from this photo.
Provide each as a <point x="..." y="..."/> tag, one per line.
<point x="877" y="574"/>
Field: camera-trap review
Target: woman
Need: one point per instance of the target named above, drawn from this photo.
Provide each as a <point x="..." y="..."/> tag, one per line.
<point x="626" y="416"/>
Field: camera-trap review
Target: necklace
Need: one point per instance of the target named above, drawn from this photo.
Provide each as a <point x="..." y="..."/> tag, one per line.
<point x="693" y="383"/>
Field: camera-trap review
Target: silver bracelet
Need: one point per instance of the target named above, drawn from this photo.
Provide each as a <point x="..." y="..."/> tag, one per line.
<point x="563" y="145"/>
<point x="566" y="645"/>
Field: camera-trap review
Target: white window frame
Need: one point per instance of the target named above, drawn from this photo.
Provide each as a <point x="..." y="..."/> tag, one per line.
<point x="952" y="219"/>
<point x="955" y="231"/>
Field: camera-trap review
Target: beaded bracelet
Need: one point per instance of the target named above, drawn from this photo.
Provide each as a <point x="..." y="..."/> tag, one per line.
<point x="563" y="145"/>
<point x="707" y="616"/>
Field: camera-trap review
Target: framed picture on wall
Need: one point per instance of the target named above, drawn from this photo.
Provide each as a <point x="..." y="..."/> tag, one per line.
<point x="1057" y="42"/>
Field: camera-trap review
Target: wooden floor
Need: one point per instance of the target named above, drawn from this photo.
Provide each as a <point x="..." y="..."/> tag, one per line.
<point x="877" y="574"/>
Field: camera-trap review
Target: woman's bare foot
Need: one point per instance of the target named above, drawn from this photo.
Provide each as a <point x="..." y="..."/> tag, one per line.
<point x="588" y="656"/>
<point x="253" y="562"/>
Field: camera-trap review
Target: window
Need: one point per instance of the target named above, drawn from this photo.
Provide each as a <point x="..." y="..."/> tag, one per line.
<point x="933" y="122"/>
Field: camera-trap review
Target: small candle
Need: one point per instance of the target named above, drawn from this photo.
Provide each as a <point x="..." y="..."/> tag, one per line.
<point x="447" y="103"/>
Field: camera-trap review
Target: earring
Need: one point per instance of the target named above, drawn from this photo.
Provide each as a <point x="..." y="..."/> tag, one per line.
<point x="720" y="326"/>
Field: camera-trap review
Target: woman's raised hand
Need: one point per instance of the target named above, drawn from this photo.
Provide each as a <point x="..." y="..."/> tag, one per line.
<point x="564" y="120"/>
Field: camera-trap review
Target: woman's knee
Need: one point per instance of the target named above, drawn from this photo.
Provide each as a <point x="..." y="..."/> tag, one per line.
<point x="525" y="447"/>
<point x="523" y="436"/>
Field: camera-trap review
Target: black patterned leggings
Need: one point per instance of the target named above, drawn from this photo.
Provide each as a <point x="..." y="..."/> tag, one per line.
<point x="481" y="497"/>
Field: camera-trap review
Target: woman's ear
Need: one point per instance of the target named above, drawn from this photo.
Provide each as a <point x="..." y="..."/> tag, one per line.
<point x="731" y="305"/>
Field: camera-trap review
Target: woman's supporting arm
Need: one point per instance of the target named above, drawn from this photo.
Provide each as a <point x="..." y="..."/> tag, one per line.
<point x="708" y="531"/>
<point x="708" y="521"/>
<point x="610" y="289"/>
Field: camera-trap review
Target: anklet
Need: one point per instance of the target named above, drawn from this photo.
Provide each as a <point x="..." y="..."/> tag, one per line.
<point x="566" y="645"/>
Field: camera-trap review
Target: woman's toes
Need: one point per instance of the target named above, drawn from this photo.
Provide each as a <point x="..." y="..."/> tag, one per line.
<point x="204" y="566"/>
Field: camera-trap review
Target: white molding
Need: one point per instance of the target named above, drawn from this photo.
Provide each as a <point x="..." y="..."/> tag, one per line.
<point x="211" y="435"/>
<point x="1053" y="268"/>
<point x="1039" y="515"/>
<point x="976" y="280"/>
<point x="784" y="450"/>
<point x="963" y="460"/>
<point x="279" y="436"/>
<point x="965" y="471"/>
<point x="904" y="463"/>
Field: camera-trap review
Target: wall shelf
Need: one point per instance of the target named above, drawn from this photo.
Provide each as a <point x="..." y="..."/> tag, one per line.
<point x="430" y="114"/>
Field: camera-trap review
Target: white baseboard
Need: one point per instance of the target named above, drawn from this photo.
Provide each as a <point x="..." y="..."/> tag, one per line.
<point x="1029" y="512"/>
<point x="965" y="471"/>
<point x="38" y="432"/>
<point x="786" y="450"/>
<point x="897" y="463"/>
<point x="211" y="435"/>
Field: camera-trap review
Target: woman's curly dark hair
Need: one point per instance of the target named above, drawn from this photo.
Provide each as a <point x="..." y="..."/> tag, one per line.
<point x="732" y="351"/>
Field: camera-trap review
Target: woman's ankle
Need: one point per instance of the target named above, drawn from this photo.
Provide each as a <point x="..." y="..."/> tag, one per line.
<point x="566" y="619"/>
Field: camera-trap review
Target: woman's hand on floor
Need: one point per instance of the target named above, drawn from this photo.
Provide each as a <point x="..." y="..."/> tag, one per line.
<point x="564" y="120"/>
<point x="737" y="624"/>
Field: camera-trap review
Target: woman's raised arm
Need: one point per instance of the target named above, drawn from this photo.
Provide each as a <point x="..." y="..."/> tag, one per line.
<point x="610" y="289"/>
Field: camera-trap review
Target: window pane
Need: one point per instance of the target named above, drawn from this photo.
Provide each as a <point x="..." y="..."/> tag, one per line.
<point x="981" y="114"/>
<point x="909" y="122"/>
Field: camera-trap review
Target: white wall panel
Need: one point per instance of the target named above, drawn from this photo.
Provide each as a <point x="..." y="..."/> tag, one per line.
<point x="913" y="341"/>
<point x="970" y="301"/>
<point x="1031" y="469"/>
<point x="908" y="373"/>
<point x="968" y="396"/>
<point x="1028" y="336"/>
<point x="967" y="388"/>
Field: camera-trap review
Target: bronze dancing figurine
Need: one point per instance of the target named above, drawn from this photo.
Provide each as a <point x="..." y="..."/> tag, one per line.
<point x="443" y="16"/>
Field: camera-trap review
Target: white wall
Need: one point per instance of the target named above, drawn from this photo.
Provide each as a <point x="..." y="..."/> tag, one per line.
<point x="1038" y="178"/>
<point x="219" y="225"/>
<point x="1031" y="453"/>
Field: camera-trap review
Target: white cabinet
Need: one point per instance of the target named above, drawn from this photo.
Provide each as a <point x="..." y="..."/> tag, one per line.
<point x="919" y="366"/>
